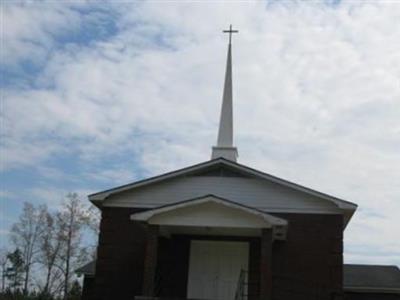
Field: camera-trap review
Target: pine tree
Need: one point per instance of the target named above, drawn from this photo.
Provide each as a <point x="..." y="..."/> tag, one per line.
<point x="15" y="272"/>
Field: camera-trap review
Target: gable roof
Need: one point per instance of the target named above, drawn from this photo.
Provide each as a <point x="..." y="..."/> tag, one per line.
<point x="347" y="207"/>
<point x="371" y="278"/>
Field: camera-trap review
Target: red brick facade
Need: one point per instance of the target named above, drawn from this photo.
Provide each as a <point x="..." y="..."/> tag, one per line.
<point x="308" y="265"/>
<point x="150" y="261"/>
<point x="120" y="256"/>
<point x="265" y="268"/>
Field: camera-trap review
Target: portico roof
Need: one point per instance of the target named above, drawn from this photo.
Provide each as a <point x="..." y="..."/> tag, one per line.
<point x="211" y="211"/>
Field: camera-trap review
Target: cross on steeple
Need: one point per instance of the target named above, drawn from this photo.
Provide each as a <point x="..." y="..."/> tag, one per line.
<point x="230" y="31"/>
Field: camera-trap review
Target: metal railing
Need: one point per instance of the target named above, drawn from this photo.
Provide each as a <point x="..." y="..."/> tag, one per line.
<point x="240" y="288"/>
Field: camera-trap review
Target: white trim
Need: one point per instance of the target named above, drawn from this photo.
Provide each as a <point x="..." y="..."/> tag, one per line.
<point x="264" y="208"/>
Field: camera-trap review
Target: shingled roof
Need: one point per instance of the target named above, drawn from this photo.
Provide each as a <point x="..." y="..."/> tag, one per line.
<point x="371" y="278"/>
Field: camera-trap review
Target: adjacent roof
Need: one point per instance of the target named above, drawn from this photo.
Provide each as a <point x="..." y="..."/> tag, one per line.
<point x="371" y="278"/>
<point x="348" y="207"/>
<point x="88" y="270"/>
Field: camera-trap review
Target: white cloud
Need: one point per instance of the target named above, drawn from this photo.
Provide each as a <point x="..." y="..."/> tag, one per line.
<point x="317" y="93"/>
<point x="27" y="29"/>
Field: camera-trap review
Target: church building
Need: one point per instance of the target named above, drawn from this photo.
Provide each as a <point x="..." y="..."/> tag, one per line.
<point x="220" y="230"/>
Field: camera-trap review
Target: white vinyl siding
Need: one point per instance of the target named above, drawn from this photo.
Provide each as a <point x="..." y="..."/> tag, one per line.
<point x="256" y="193"/>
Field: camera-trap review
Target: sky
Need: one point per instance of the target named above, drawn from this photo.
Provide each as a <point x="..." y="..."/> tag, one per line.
<point x="99" y="94"/>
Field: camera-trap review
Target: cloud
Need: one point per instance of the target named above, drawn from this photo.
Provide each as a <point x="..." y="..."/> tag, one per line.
<point x="27" y="31"/>
<point x="33" y="30"/>
<point x="316" y="96"/>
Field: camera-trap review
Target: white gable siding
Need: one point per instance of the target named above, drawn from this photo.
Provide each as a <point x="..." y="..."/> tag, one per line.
<point x="251" y="192"/>
<point x="209" y="214"/>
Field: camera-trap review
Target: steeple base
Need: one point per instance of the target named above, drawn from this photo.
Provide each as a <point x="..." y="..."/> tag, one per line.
<point x="229" y="153"/>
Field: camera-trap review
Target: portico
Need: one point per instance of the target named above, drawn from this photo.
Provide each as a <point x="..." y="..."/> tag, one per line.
<point x="218" y="236"/>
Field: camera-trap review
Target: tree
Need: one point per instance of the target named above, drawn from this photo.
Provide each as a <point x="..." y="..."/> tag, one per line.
<point x="71" y="220"/>
<point x="3" y="266"/>
<point x="93" y="224"/>
<point x="15" y="271"/>
<point x="25" y="235"/>
<point x="50" y="245"/>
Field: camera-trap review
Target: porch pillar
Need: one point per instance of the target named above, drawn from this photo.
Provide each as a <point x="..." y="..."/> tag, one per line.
<point x="266" y="265"/>
<point x="150" y="261"/>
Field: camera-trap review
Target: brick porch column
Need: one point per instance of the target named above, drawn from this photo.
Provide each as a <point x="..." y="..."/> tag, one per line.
<point x="150" y="261"/>
<point x="266" y="265"/>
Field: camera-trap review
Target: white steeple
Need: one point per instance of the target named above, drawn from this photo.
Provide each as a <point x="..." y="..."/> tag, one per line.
<point x="225" y="146"/>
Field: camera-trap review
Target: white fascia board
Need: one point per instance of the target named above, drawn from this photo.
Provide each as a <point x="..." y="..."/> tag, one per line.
<point x="269" y="219"/>
<point x="269" y="210"/>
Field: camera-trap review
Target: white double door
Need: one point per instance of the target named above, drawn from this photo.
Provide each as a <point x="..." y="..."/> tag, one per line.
<point x="214" y="268"/>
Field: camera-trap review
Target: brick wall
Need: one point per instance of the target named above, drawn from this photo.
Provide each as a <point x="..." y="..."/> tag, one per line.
<point x="309" y="264"/>
<point x="120" y="256"/>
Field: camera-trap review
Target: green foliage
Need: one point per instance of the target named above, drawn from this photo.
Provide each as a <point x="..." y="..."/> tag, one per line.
<point x="15" y="272"/>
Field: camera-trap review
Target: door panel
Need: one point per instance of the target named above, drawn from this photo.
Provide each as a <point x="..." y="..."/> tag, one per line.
<point x="214" y="269"/>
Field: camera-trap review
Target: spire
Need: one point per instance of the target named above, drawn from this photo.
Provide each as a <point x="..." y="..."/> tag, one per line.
<point x="225" y="146"/>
